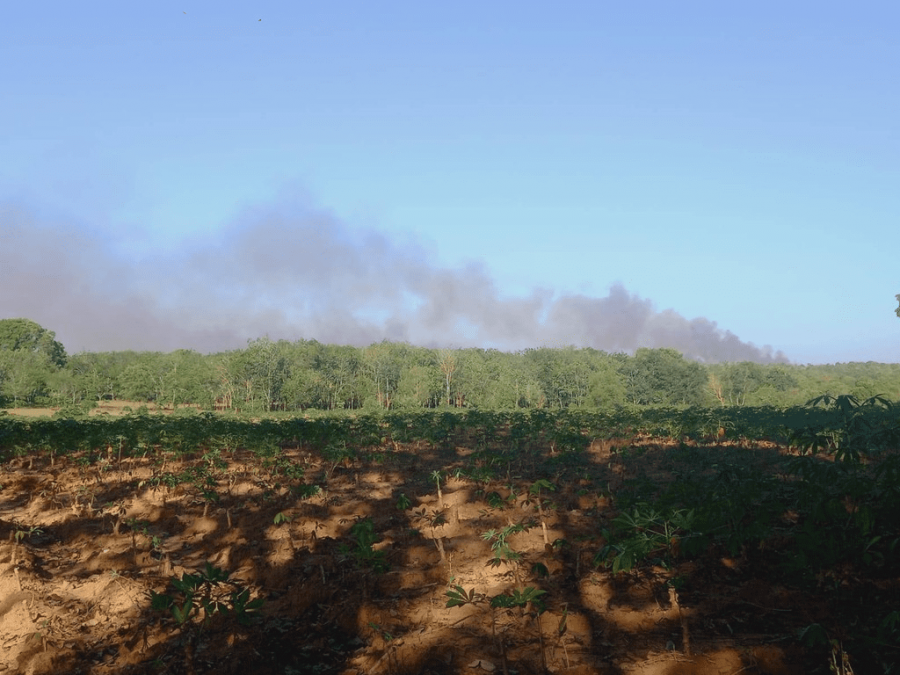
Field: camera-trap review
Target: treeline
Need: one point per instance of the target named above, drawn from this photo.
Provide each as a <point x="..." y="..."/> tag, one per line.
<point x="281" y="375"/>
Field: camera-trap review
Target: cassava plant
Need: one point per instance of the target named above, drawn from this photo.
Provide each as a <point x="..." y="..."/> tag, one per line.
<point x="535" y="493"/>
<point x="528" y="600"/>
<point x="363" y="536"/>
<point x="861" y="428"/>
<point x="199" y="593"/>
<point x="434" y="520"/>
<point x="437" y="476"/>
<point x="202" y="595"/>
<point x="503" y="553"/>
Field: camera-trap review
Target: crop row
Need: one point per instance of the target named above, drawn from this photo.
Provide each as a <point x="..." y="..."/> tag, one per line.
<point x="565" y="429"/>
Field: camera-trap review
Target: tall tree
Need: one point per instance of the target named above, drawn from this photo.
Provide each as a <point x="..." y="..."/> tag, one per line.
<point x="63" y="388"/>
<point x="187" y="377"/>
<point x="420" y="383"/>
<point x="258" y="373"/>
<point x="606" y="387"/>
<point x="663" y="377"/>
<point x="338" y="369"/>
<point x="23" y="376"/>
<point x="142" y="379"/>
<point x="564" y="374"/>
<point x="98" y="374"/>
<point x="448" y="364"/>
<point x="740" y="380"/>
<point x="26" y="335"/>
<point x="420" y="386"/>
<point x="383" y="363"/>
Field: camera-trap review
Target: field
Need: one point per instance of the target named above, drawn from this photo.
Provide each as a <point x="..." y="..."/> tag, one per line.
<point x="677" y="542"/>
<point x="111" y="408"/>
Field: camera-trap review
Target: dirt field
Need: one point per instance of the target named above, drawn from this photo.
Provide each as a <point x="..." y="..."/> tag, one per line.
<point x="355" y="578"/>
<point x="112" y="408"/>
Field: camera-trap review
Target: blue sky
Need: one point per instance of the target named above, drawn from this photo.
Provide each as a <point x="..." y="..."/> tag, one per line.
<point x="494" y="164"/>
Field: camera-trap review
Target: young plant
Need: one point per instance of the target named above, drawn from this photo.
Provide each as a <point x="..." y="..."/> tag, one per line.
<point x="363" y="535"/>
<point x="280" y="519"/>
<point x="521" y="598"/>
<point x="495" y="501"/>
<point x="199" y="593"/>
<point x="535" y="492"/>
<point x="860" y="429"/>
<point x="529" y="602"/>
<point x="142" y="527"/>
<point x="437" y="476"/>
<point x="503" y="552"/>
<point x="457" y="596"/>
<point x="403" y="502"/>
<point x="434" y="520"/>
<point x="525" y="599"/>
<point x="561" y="628"/>
<point x="646" y="533"/>
<point x="335" y="454"/>
<point x="306" y="490"/>
<point x="21" y="533"/>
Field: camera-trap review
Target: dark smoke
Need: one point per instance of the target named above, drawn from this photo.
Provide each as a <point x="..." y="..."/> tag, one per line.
<point x="301" y="272"/>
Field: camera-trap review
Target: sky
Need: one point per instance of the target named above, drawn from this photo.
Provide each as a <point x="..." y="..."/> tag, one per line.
<point x="720" y="178"/>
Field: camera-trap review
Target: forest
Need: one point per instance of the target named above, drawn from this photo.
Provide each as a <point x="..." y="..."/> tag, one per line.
<point x="269" y="375"/>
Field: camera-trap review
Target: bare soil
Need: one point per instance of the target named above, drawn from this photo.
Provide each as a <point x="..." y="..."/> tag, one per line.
<point x="112" y="408"/>
<point x="85" y="544"/>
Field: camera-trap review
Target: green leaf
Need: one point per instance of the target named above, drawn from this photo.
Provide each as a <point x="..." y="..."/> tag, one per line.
<point x="502" y="600"/>
<point x="160" y="601"/>
<point x="183" y="613"/>
<point x="459" y="596"/>
<point x="540" y="570"/>
<point x="188" y="583"/>
<point x="541" y="484"/>
<point x="562" y="626"/>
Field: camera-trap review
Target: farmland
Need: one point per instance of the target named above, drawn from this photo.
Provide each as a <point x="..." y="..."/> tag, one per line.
<point x="753" y="540"/>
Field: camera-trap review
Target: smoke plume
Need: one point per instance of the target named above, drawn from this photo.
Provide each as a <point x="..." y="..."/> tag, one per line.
<point x="297" y="272"/>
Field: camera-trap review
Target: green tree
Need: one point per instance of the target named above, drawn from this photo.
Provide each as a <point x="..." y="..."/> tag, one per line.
<point x="738" y="381"/>
<point x="26" y="335"/>
<point x="98" y="374"/>
<point x="420" y="386"/>
<point x="448" y="365"/>
<point x="339" y="367"/>
<point x="142" y="379"/>
<point x="606" y="387"/>
<point x="473" y="379"/>
<point x="508" y="381"/>
<point x="23" y="376"/>
<point x="63" y="387"/>
<point x="255" y="376"/>
<point x="564" y="374"/>
<point x="664" y="377"/>
<point x="187" y="377"/>
<point x="382" y="364"/>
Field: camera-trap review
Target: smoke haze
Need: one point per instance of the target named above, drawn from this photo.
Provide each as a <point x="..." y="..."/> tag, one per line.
<point x="297" y="272"/>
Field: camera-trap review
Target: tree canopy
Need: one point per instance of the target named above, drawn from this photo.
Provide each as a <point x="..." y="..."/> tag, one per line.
<point x="269" y="375"/>
<point x="26" y="335"/>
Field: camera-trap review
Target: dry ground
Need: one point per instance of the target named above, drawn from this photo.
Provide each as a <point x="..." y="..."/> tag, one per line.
<point x="83" y="546"/>
<point x="112" y="408"/>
